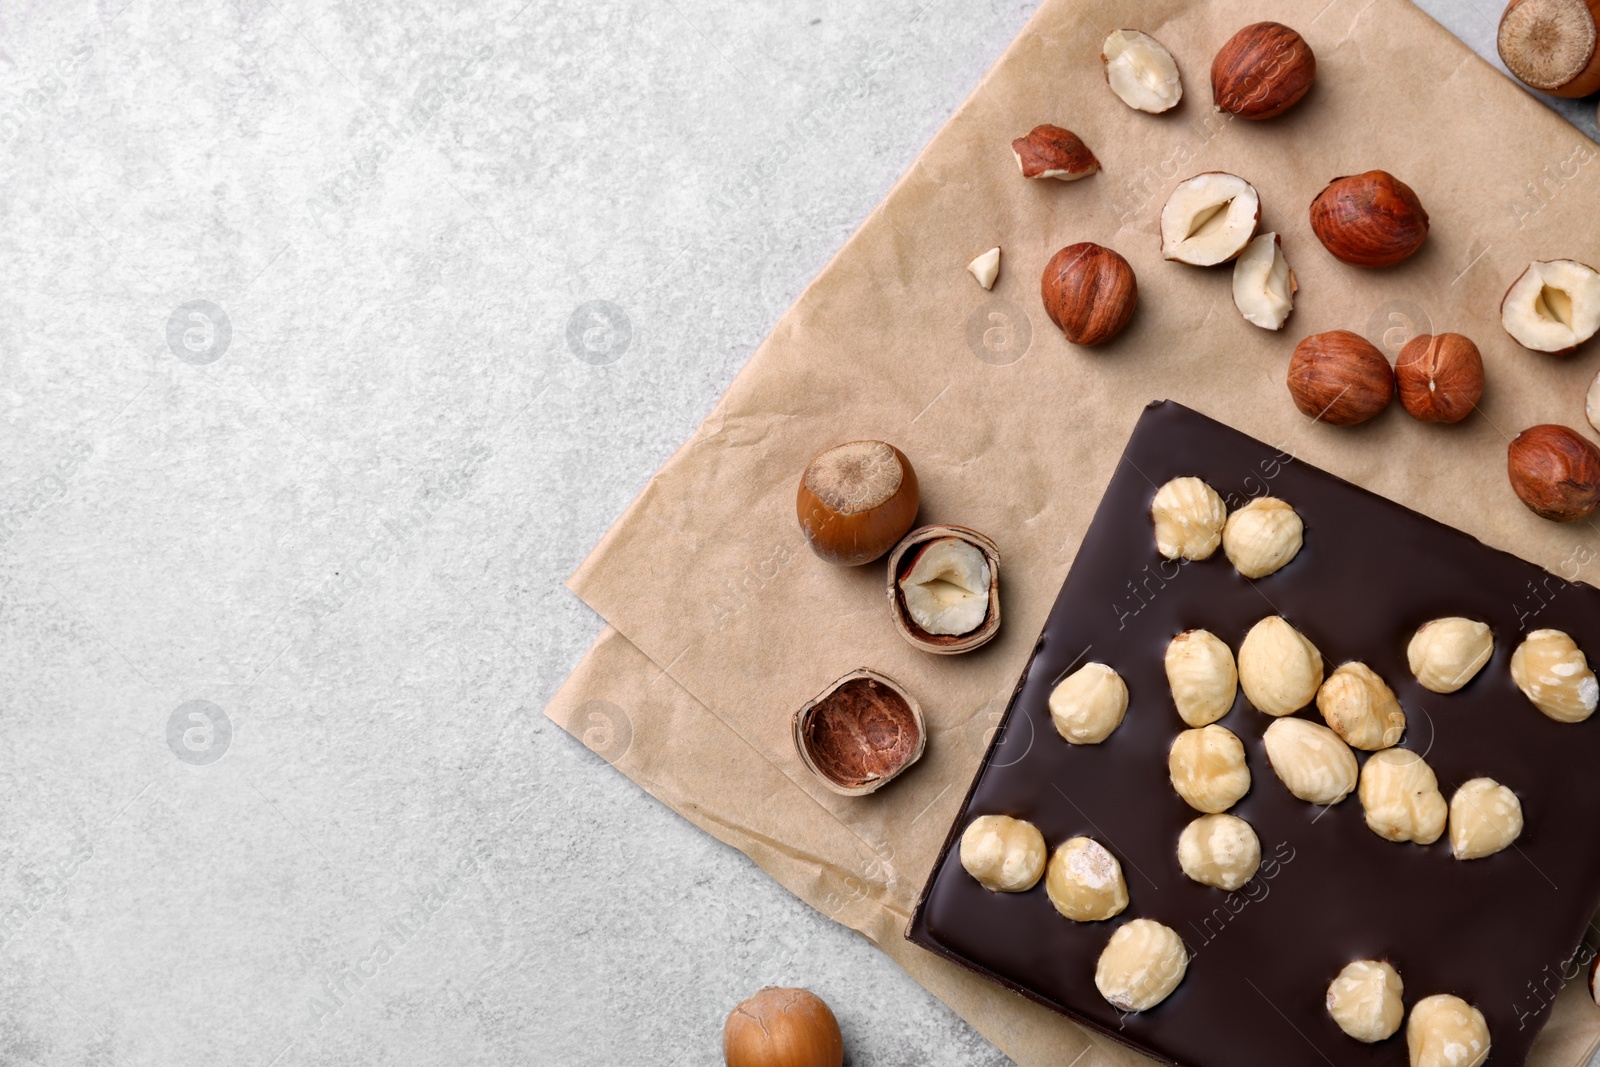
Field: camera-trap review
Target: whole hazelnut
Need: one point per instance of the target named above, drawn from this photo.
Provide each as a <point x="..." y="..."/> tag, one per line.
<point x="1141" y="965"/>
<point x="1369" y="220"/>
<point x="1339" y="378"/>
<point x="1555" y="472"/>
<point x="1554" y="674"/>
<point x="1262" y="71"/>
<point x="1485" y="817"/>
<point x="1445" y="654"/>
<point x="1263" y="536"/>
<point x="1207" y="768"/>
<point x="1188" y="515"/>
<point x="856" y="500"/>
<point x="1446" y="1031"/>
<point x="1311" y="760"/>
<point x="1440" y="377"/>
<point x="1084" y="881"/>
<point x="1089" y="704"/>
<point x="1202" y="676"/>
<point x="1280" y="670"/>
<point x="1365" y="1000"/>
<point x="1089" y="292"/>
<point x="1360" y="707"/>
<point x="1005" y="855"/>
<point x="1400" y="795"/>
<point x="1219" y="850"/>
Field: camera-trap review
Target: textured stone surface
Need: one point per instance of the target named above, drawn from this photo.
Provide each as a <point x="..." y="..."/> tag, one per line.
<point x="336" y="334"/>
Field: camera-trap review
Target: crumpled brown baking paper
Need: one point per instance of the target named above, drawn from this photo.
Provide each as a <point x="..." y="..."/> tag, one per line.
<point x="1015" y="432"/>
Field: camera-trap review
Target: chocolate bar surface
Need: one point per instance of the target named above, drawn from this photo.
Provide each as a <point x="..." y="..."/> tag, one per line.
<point x="1499" y="932"/>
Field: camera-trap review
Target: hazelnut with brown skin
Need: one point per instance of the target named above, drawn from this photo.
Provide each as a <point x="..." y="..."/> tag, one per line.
<point x="1339" y="378"/>
<point x="1089" y="292"/>
<point x="1555" y="472"/>
<point x="1440" y="377"/>
<point x="1052" y="152"/>
<point x="1369" y="220"/>
<point x="1262" y="71"/>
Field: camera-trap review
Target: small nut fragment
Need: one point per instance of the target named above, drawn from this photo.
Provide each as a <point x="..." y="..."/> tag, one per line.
<point x="1219" y="850"/>
<point x="1005" y="855"/>
<point x="1485" y="817"/>
<point x="1591" y="403"/>
<point x="1369" y="220"/>
<point x="1263" y="284"/>
<point x="1262" y="536"/>
<point x="1207" y="768"/>
<point x="1141" y="965"/>
<point x="1311" y="760"/>
<point x="1555" y="472"/>
<point x="1553" y="306"/>
<point x="1188" y="515"/>
<point x="1552" y="671"/>
<point x="1209" y="218"/>
<point x="1085" y="882"/>
<point x="1365" y="1000"/>
<point x="986" y="267"/>
<point x="1440" y="377"/>
<point x="1339" y="378"/>
<point x="1052" y="152"/>
<point x="1089" y="292"/>
<point x="1361" y="708"/>
<point x="1447" y="653"/>
<point x="1141" y="72"/>
<point x="1279" y="670"/>
<point x="1262" y="71"/>
<point x="1089" y="704"/>
<point x="1446" y="1031"/>
<point x="1401" y="797"/>
<point x="1203" y="678"/>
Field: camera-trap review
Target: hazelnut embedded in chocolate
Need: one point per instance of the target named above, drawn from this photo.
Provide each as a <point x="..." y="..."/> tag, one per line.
<point x="860" y="733"/>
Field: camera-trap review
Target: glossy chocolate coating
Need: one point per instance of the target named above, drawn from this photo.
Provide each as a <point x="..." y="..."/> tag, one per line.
<point x="1330" y="890"/>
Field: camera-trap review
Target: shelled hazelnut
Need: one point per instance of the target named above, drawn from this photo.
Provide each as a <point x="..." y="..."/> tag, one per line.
<point x="1222" y="851"/>
<point x="1485" y="817"/>
<point x="1446" y="1031"/>
<point x="1084" y="881"/>
<point x="1554" y="674"/>
<point x="1089" y="704"/>
<point x="1279" y="670"/>
<point x="1365" y="1000"/>
<point x="1188" y="515"/>
<point x="1263" y="283"/>
<point x="1052" y="152"/>
<point x="1209" y="218"/>
<point x="1263" y="536"/>
<point x="1202" y="676"/>
<point x="1141" y="72"/>
<point x="1361" y="708"/>
<point x="1447" y="653"/>
<point x="1207" y="768"/>
<point x="1553" y="306"/>
<point x="1141" y="965"/>
<point x="1311" y="760"/>
<point x="1401" y="797"/>
<point x="1005" y="855"/>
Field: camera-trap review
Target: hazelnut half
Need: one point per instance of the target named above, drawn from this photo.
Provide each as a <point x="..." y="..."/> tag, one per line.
<point x="985" y="267"/>
<point x="1440" y="377"/>
<point x="1089" y="704"/>
<point x="860" y="733"/>
<point x="1446" y="1031"/>
<point x="1263" y="284"/>
<point x="1555" y="472"/>
<point x="1340" y="378"/>
<point x="1188" y="515"/>
<point x="1085" y="882"/>
<point x="1553" y="306"/>
<point x="1207" y="768"/>
<point x="1361" y="708"/>
<point x="1202" y="676"/>
<point x="856" y="500"/>
<point x="1550" y="45"/>
<point x="1209" y="219"/>
<point x="1554" y="674"/>
<point x="944" y="589"/>
<point x="1447" y="653"/>
<point x="1222" y="851"/>
<point x="1141" y="965"/>
<point x="1400" y="795"/>
<point x="1005" y="855"/>
<point x="1365" y="1000"/>
<point x="1369" y="220"/>
<point x="1279" y="670"/>
<point x="1485" y="817"/>
<point x="1052" y="152"/>
<point x="1263" y="536"/>
<point x="1089" y="292"/>
<point x="1310" y="760"/>
<point x="1141" y="71"/>
<point x="1262" y="71"/>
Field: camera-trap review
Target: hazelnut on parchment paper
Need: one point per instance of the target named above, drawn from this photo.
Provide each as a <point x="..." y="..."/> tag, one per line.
<point x="1052" y="152"/>
<point x="1262" y="71"/>
<point x="1369" y="220"/>
<point x="1263" y="284"/>
<point x="1141" y="71"/>
<point x="1446" y="1031"/>
<point x="1084" y="881"/>
<point x="1555" y="472"/>
<point x="1141" y="965"/>
<point x="1202" y="676"/>
<point x="1440" y="377"/>
<point x="1365" y="1000"/>
<point x="1219" y="850"/>
<point x="1089" y="292"/>
<point x="1207" y="768"/>
<point x="1189" y="516"/>
<point x="1339" y="378"/>
<point x="1209" y="218"/>
<point x="1005" y="855"/>
<point x="1553" y="306"/>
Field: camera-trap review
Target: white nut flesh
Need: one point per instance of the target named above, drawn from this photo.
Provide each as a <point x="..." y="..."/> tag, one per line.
<point x="1401" y="797"/>
<point x="1553" y="307"/>
<point x="1446" y="1031"/>
<point x="1447" y="653"/>
<point x="1005" y="855"/>
<point x="1141" y="965"/>
<point x="1365" y="1000"/>
<point x="1552" y="672"/>
<point x="986" y="267"/>
<point x="1360" y="707"/>
<point x="1263" y="284"/>
<point x="1279" y="670"/>
<point x="1209" y="219"/>
<point x="1219" y="850"/>
<point x="1141" y="71"/>
<point x="946" y="591"/>
<point x="1188" y="515"/>
<point x="1207" y="768"/>
<point x="1263" y="536"/>
<point x="1591" y="403"/>
<point x="1485" y="817"/>
<point x="1085" y="882"/>
<point x="1201" y="673"/>
<point x="1089" y="704"/>
<point x="1311" y="760"/>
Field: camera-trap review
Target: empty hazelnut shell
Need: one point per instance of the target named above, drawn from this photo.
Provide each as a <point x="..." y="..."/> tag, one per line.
<point x="1369" y="220"/>
<point x="901" y="561"/>
<point x="860" y="733"/>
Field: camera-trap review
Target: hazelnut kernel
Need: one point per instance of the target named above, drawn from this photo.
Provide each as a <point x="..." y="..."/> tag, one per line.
<point x="1365" y="1000"/>
<point x="1401" y="797"/>
<point x="1552" y="672"/>
<point x="1141" y="965"/>
<point x="1005" y="855"/>
<point x="1207" y="768"/>
<point x="1279" y="670"/>
<point x="1084" y="881"/>
<point x="1311" y="760"/>
<point x="1447" y="653"/>
<point x="1219" y="850"/>
<point x="1446" y="1031"/>
<point x="1089" y="704"/>
<point x="1485" y="817"/>
<point x="1361" y="708"/>
<point x="1188" y="516"/>
<point x="1262" y="536"/>
<point x="1202" y="675"/>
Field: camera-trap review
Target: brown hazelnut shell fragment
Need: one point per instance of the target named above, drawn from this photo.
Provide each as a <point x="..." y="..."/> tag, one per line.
<point x="856" y="500"/>
<point x="1262" y="71"/>
<point x="860" y="733"/>
<point x="1089" y="292"/>
<point x="901" y="561"/>
<point x="1369" y="220"/>
<point x="1440" y="377"/>
<point x="1052" y="152"/>
<point x="1340" y="378"/>
<point x="1555" y="472"/>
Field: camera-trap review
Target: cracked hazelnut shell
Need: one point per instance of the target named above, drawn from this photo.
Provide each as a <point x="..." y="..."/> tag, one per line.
<point x="904" y="558"/>
<point x="860" y="733"/>
<point x="1555" y="472"/>
<point x="1089" y="292"/>
<point x="1369" y="220"/>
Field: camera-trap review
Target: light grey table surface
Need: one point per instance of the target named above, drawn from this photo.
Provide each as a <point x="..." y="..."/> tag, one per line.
<point x="307" y="414"/>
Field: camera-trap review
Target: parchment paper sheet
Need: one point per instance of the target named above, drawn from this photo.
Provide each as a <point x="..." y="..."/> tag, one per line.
<point x="725" y="621"/>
